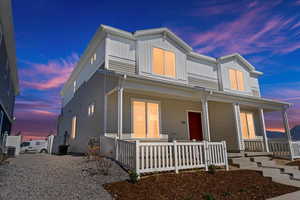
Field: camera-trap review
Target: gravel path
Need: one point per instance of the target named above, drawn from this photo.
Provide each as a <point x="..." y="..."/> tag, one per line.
<point x="41" y="176"/>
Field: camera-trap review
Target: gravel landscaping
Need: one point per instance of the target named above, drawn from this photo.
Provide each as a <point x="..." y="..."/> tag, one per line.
<point x="41" y="176"/>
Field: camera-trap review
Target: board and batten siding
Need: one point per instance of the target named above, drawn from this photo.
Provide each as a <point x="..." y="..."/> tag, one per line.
<point x="145" y="44"/>
<point x="121" y="54"/>
<point x="202" y="73"/>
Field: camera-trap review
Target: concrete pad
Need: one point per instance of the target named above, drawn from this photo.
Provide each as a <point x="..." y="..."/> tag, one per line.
<point x="289" y="196"/>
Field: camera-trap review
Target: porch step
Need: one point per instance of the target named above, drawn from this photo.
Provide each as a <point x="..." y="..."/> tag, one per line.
<point x="288" y="175"/>
<point x="255" y="154"/>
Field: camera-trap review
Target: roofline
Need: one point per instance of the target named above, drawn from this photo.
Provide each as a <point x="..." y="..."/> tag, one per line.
<point x="6" y="19"/>
<point x="244" y="61"/>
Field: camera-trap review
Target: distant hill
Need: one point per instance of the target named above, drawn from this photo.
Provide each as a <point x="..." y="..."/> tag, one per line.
<point x="295" y="133"/>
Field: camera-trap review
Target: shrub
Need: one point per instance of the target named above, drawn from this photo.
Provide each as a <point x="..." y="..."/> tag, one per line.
<point x="93" y="149"/>
<point x="208" y="196"/>
<point x="134" y="177"/>
<point x="212" y="169"/>
<point x="3" y="159"/>
<point x="103" y="165"/>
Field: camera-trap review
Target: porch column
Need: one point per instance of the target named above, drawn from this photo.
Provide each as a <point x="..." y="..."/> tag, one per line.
<point x="238" y="127"/>
<point x="263" y="128"/>
<point x="120" y="111"/>
<point x="205" y="119"/>
<point x="287" y="130"/>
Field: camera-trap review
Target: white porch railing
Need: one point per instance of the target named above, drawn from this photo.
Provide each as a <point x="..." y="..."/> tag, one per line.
<point x="296" y="149"/>
<point x="254" y="145"/>
<point x="280" y="148"/>
<point x="144" y="157"/>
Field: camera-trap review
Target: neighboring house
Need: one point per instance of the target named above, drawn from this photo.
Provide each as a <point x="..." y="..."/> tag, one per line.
<point x="9" y="84"/>
<point x="151" y="86"/>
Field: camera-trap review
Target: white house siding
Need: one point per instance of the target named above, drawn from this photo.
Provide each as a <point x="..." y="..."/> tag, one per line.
<point x="249" y="82"/>
<point x="144" y="56"/>
<point x="87" y="71"/>
<point x="91" y="91"/>
<point x="202" y="73"/>
<point x="173" y="114"/>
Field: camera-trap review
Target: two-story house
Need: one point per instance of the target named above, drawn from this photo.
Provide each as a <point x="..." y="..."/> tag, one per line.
<point x="150" y="85"/>
<point x="9" y="84"/>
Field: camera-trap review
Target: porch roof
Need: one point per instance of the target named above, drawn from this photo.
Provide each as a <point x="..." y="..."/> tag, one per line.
<point x="201" y="92"/>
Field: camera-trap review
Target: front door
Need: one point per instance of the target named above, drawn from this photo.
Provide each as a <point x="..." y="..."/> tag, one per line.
<point x="195" y="125"/>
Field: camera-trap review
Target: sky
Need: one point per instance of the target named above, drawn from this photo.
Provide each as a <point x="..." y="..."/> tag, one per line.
<point x="51" y="35"/>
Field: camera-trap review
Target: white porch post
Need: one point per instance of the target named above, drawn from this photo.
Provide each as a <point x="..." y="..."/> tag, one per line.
<point x="120" y="111"/>
<point x="263" y="128"/>
<point x="238" y="127"/>
<point x="287" y="130"/>
<point x="205" y="119"/>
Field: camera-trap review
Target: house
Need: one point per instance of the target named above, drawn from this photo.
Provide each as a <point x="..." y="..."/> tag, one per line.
<point x="150" y="86"/>
<point x="9" y="84"/>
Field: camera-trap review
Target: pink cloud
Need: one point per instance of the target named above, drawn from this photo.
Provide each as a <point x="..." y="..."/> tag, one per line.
<point x="254" y="30"/>
<point x="55" y="71"/>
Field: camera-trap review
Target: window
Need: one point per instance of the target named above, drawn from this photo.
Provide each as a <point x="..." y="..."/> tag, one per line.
<point x="93" y="58"/>
<point x="91" y="109"/>
<point x="145" y="119"/>
<point x="236" y="79"/>
<point x="74" y="86"/>
<point x="73" y="130"/>
<point x="163" y="62"/>
<point x="247" y="123"/>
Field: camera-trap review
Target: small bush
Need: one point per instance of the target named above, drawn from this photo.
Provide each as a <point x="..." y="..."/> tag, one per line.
<point x="3" y="159"/>
<point x="212" y="169"/>
<point x="208" y="196"/>
<point x="134" y="177"/>
<point x="103" y="165"/>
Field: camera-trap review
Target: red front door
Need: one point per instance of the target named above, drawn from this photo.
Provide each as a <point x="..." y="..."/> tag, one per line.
<point x="195" y="126"/>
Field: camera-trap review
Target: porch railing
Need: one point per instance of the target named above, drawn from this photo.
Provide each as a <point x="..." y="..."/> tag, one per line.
<point x="280" y="148"/>
<point x="144" y="157"/>
<point x="254" y="145"/>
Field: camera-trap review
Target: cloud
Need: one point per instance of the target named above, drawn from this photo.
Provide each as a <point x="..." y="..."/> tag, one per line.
<point x="54" y="73"/>
<point x="255" y="29"/>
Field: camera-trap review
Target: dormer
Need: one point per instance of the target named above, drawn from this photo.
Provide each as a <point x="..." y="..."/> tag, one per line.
<point x="237" y="75"/>
<point x="161" y="54"/>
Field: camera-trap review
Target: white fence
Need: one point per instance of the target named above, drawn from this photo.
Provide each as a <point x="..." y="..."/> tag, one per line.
<point x="144" y="157"/>
<point x="296" y="149"/>
<point x="254" y="145"/>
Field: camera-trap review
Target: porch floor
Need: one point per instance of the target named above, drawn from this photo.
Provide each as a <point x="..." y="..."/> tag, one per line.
<point x="248" y="154"/>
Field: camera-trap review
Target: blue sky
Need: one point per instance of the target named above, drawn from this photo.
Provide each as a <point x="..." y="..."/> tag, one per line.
<point x="52" y="34"/>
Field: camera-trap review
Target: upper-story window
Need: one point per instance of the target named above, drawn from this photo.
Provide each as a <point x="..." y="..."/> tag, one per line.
<point x="74" y="86"/>
<point x="93" y="58"/>
<point x="236" y="78"/>
<point x="163" y="62"/>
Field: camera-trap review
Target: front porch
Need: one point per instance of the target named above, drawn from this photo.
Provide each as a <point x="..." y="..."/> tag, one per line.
<point x="146" y="111"/>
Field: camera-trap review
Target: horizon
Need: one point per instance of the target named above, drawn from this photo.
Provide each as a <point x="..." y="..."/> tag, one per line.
<point x="49" y="46"/>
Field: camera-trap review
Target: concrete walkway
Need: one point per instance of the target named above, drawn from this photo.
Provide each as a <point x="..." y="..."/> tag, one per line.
<point x="42" y="176"/>
<point x="290" y="196"/>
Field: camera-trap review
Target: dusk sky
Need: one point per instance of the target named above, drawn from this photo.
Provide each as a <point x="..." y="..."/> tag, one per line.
<point x="52" y="34"/>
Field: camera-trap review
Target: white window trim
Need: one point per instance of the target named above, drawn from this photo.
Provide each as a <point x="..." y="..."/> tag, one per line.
<point x="151" y="63"/>
<point x="159" y="116"/>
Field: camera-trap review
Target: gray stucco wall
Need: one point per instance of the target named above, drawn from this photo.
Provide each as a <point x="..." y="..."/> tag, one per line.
<point x="87" y="126"/>
<point x="222" y="124"/>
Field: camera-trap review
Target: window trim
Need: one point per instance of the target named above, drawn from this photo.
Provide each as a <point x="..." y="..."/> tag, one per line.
<point x="245" y="112"/>
<point x="146" y="111"/>
<point x="152" y="63"/>
<point x="236" y="78"/>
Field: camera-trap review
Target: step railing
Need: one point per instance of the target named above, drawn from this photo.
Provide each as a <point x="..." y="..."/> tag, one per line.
<point x="145" y="157"/>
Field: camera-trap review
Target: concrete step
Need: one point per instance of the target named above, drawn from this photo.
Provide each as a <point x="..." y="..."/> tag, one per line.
<point x="243" y="162"/>
<point x="257" y="154"/>
<point x="260" y="159"/>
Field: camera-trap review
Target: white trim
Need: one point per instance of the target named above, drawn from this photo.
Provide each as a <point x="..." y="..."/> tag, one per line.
<point x="188" y="125"/>
<point x="159" y="115"/>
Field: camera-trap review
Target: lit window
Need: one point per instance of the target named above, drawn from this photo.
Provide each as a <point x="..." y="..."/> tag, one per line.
<point x="145" y="119"/>
<point x="236" y="79"/>
<point x="91" y="109"/>
<point x="93" y="58"/>
<point x="74" y="86"/>
<point x="73" y="131"/>
<point x="163" y="62"/>
<point x="247" y="122"/>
